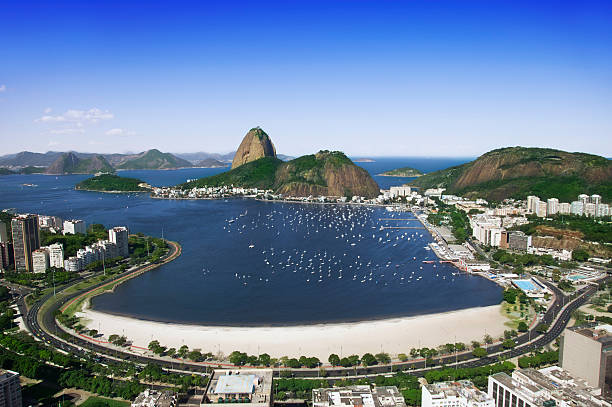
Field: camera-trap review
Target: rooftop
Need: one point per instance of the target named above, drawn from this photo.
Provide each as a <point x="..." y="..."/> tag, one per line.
<point x="383" y="396"/>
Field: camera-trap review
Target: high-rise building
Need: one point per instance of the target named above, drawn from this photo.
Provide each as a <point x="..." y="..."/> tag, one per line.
<point x="603" y="210"/>
<point x="565" y="208"/>
<point x="26" y="239"/>
<point x="450" y="394"/>
<point x="40" y="260"/>
<point x="10" y="389"/>
<point x="74" y="226"/>
<point x="3" y="234"/>
<point x="590" y="209"/>
<point x="56" y="255"/>
<point x="577" y="208"/>
<point x="584" y="198"/>
<point x="552" y="206"/>
<point x="519" y="241"/>
<point x="541" y="209"/>
<point x="532" y="203"/>
<point x="6" y="255"/>
<point x="119" y="236"/>
<point x="587" y="353"/>
<point x="596" y="199"/>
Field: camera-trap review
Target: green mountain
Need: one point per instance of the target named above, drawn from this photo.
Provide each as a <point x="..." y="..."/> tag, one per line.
<point x="153" y="160"/>
<point x="402" y="172"/>
<point x="329" y="173"/>
<point x="516" y="172"/>
<point x="111" y="182"/>
<point x="69" y="163"/>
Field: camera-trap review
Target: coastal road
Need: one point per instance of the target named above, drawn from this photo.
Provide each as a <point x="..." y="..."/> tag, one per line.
<point x="559" y="312"/>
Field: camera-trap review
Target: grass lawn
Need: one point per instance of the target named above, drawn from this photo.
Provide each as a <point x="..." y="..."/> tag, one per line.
<point x="101" y="401"/>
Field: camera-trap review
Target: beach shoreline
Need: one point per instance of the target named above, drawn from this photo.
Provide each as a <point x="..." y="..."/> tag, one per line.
<point x="394" y="335"/>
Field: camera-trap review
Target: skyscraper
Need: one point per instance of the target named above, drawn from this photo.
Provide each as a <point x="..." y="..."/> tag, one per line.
<point x="532" y="203"/>
<point x="119" y="236"/>
<point x="56" y="255"/>
<point x="26" y="239"/>
<point x="552" y="206"/>
<point x="3" y="235"/>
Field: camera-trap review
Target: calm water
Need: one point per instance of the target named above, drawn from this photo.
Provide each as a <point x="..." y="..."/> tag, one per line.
<point x="308" y="263"/>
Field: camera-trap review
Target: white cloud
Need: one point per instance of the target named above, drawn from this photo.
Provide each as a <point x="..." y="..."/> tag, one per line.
<point x="119" y="132"/>
<point x="80" y="117"/>
<point x="53" y="143"/>
<point x="47" y="110"/>
<point x="2" y="88"/>
<point x="67" y="131"/>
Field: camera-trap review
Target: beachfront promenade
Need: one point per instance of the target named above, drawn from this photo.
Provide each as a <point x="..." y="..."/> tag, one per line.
<point x="44" y="326"/>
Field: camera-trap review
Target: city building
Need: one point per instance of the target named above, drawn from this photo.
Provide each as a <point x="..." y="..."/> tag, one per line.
<point x="74" y="226"/>
<point x="486" y="229"/>
<point x="56" y="255"/>
<point x="400" y="191"/>
<point x="119" y="236"/>
<point x="577" y="208"/>
<point x="596" y="199"/>
<point x="565" y="208"/>
<point x="552" y="206"/>
<point x="353" y="396"/>
<point x="6" y="255"/>
<point x="504" y="240"/>
<point x="155" y="398"/>
<point x="248" y="387"/>
<point x="603" y="210"/>
<point x="461" y="393"/>
<point x="10" y="389"/>
<point x="541" y="209"/>
<point x="552" y="387"/>
<point x="50" y="222"/>
<point x="72" y="264"/>
<point x="434" y="192"/>
<point x="532" y="203"/>
<point x="586" y="353"/>
<point x="40" y="260"/>
<point x="3" y="234"/>
<point x="590" y="209"/>
<point x="584" y="198"/>
<point x="26" y="239"/>
<point x="519" y="241"/>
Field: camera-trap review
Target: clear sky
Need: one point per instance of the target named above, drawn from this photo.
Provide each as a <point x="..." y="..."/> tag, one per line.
<point x="418" y="78"/>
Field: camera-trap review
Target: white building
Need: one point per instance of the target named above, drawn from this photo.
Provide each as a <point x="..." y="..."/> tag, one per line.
<point x="437" y="192"/>
<point x="74" y="226"/>
<point x="565" y="208"/>
<point x="584" y="198"/>
<point x="596" y="199"/>
<point x="487" y="229"/>
<point x="531" y="388"/>
<point x="56" y="255"/>
<point x="40" y="260"/>
<point x="461" y="393"/>
<point x="603" y="210"/>
<point x="155" y="398"/>
<point x="355" y="396"/>
<point x="400" y="191"/>
<point x="532" y="203"/>
<point x="590" y="209"/>
<point x="541" y="209"/>
<point x="577" y="208"/>
<point x="73" y="264"/>
<point x="552" y="206"/>
<point x="119" y="236"/>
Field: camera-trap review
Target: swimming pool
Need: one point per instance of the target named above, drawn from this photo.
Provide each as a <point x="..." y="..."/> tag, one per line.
<point x="526" y="285"/>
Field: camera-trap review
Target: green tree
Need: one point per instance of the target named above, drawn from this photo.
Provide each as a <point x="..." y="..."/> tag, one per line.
<point x="522" y="326"/>
<point x="479" y="352"/>
<point x="334" y="359"/>
<point x="368" y="360"/>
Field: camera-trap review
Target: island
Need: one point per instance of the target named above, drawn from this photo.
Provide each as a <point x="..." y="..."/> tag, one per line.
<point x="113" y="183"/>
<point x="363" y="160"/>
<point x="402" y="172"/>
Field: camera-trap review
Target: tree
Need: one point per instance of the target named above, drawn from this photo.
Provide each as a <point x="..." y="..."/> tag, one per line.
<point x="334" y="359"/>
<point x="479" y="352"/>
<point x="508" y="343"/>
<point x="542" y="328"/>
<point x="264" y="359"/>
<point x="171" y="352"/>
<point x="383" y="358"/>
<point x="580" y="255"/>
<point x="402" y="357"/>
<point x="183" y="351"/>
<point x="522" y="327"/>
<point x="368" y="360"/>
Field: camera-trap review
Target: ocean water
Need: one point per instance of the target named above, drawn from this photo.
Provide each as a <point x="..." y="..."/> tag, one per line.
<point x="247" y="262"/>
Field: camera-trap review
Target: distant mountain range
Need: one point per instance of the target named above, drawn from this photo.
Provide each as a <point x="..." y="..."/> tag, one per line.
<point x="516" y="172"/>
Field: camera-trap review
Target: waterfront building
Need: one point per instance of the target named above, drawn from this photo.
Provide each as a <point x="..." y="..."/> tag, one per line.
<point x="486" y="229"/>
<point x="119" y="236"/>
<point x="54" y="222"/>
<point x="3" y="234"/>
<point x="541" y="209"/>
<point x="532" y="203"/>
<point x="26" y="239"/>
<point x="434" y="192"/>
<point x="596" y="199"/>
<point x="362" y="395"/>
<point x="86" y="256"/>
<point x="577" y="208"/>
<point x="155" y="398"/>
<point x="461" y="393"/>
<point x="74" y="226"/>
<point x="73" y="264"/>
<point x="552" y="206"/>
<point x="586" y="353"/>
<point x="248" y="387"/>
<point x="56" y="255"/>
<point x="6" y="255"/>
<point x="40" y="260"/>
<point x="400" y="191"/>
<point x="552" y="386"/>
<point x="10" y="389"/>
<point x="590" y="209"/>
<point x="519" y="241"/>
<point x="565" y="208"/>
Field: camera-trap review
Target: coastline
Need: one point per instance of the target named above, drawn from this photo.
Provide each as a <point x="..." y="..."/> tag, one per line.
<point x="394" y="335"/>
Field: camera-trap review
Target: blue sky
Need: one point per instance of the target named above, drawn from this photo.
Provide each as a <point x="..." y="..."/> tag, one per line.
<point x="419" y="78"/>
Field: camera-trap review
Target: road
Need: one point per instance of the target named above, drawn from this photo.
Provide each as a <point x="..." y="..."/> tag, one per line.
<point x="557" y="316"/>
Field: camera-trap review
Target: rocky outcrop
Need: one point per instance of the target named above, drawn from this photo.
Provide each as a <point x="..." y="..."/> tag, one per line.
<point x="69" y="163"/>
<point x="255" y="145"/>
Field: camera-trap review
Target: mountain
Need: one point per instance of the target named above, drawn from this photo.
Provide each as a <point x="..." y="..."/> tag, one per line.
<point x="153" y="160"/>
<point x="199" y="156"/>
<point x="210" y="163"/>
<point x="255" y="144"/>
<point x="329" y="173"/>
<point x="516" y="172"/>
<point x="69" y="163"/>
<point x="27" y="159"/>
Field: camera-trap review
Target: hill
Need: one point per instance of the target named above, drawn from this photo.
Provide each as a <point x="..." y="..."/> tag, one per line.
<point x="69" y="163"/>
<point x="27" y="158"/>
<point x="325" y="173"/>
<point x="255" y="145"/>
<point x="210" y="163"/>
<point x="112" y="183"/>
<point x="153" y="160"/>
<point x="402" y="172"/>
<point x="516" y="172"/>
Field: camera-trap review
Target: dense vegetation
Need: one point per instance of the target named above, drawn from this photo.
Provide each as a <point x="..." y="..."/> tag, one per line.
<point x="539" y="359"/>
<point x="403" y="172"/>
<point x="72" y="243"/>
<point x="451" y="216"/>
<point x="255" y="174"/>
<point x="593" y="230"/>
<point x="522" y="260"/>
<point x="111" y="182"/>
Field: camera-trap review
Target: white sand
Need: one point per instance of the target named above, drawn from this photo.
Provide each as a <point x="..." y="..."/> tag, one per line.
<point x="393" y="336"/>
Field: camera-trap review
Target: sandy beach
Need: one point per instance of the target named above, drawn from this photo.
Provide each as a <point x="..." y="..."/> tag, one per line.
<point x="397" y="335"/>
